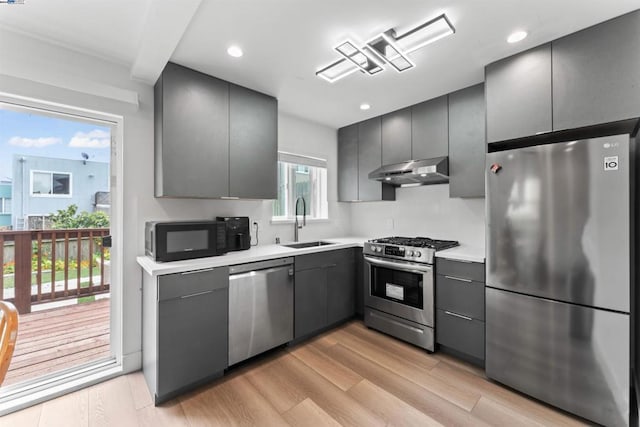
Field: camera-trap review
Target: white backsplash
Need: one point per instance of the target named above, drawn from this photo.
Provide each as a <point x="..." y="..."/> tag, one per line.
<point x="422" y="211"/>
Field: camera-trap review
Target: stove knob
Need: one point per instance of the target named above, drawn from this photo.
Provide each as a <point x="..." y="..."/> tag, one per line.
<point x="411" y="253"/>
<point x="417" y="254"/>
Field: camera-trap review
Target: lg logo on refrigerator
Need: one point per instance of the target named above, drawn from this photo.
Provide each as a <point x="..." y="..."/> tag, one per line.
<point x="611" y="163"/>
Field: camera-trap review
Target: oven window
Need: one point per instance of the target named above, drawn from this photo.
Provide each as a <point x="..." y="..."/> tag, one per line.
<point x="398" y="286"/>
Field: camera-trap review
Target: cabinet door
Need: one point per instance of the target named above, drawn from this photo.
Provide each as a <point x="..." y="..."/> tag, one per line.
<point x="192" y="338"/>
<point x="467" y="142"/>
<point x="430" y="129"/>
<point x="359" y="282"/>
<point x="596" y="74"/>
<point x="369" y="158"/>
<point x="396" y="137"/>
<point x="519" y="95"/>
<point x="253" y="150"/>
<point x="341" y="292"/>
<point x="310" y="301"/>
<point x="348" y="163"/>
<point x="192" y="134"/>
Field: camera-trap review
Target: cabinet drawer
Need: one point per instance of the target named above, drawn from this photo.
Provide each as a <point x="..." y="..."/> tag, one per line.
<point x="189" y="283"/>
<point x="460" y="269"/>
<point x="458" y="333"/>
<point x="324" y="259"/>
<point x="462" y="296"/>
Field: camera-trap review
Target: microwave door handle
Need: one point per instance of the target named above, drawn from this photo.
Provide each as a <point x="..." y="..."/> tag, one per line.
<point x="398" y="266"/>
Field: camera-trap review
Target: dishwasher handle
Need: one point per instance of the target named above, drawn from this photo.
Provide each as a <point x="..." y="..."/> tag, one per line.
<point x="260" y="265"/>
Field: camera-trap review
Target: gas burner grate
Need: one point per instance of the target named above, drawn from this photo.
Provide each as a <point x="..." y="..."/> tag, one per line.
<point x="418" y="242"/>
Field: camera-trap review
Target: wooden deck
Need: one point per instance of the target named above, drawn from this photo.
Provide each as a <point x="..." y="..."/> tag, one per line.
<point x="59" y="338"/>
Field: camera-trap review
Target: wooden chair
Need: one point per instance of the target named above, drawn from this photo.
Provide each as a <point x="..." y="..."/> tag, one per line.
<point x="8" y="335"/>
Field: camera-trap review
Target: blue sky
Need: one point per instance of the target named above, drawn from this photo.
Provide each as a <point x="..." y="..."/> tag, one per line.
<point x="38" y="135"/>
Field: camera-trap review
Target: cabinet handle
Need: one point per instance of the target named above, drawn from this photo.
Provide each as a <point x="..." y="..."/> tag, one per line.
<point x="458" y="315"/>
<point x="195" y="295"/>
<point x="186" y="273"/>
<point x="460" y="279"/>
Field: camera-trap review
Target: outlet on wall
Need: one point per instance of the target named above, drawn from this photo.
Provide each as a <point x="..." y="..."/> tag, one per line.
<point x="389" y="223"/>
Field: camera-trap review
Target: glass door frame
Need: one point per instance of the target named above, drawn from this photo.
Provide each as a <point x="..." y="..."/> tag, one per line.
<point x="14" y="397"/>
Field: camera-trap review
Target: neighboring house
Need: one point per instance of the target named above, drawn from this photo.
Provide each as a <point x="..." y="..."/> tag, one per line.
<point x="43" y="185"/>
<point x="5" y="203"/>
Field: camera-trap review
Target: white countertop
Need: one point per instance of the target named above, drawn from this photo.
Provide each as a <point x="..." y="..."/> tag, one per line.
<point x="256" y="253"/>
<point x="463" y="253"/>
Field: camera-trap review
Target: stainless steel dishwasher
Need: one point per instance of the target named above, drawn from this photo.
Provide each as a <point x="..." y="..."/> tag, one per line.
<point x="260" y="307"/>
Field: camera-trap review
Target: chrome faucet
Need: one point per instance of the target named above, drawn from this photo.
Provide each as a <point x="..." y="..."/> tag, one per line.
<point x="304" y="218"/>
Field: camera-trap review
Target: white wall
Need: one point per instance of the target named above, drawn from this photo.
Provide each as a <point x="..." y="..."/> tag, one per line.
<point x="422" y="211"/>
<point x="55" y="74"/>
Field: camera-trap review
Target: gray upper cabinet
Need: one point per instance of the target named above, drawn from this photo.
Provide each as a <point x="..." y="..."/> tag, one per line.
<point x="396" y="136"/>
<point x="467" y="142"/>
<point x="518" y="91"/>
<point x="430" y="129"/>
<point x="348" y="163"/>
<point x="253" y="152"/>
<point x="369" y="158"/>
<point x="212" y="138"/>
<point x="596" y="74"/>
<point x="191" y="134"/>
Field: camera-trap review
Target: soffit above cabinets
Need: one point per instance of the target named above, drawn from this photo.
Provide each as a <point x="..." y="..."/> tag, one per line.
<point x="285" y="42"/>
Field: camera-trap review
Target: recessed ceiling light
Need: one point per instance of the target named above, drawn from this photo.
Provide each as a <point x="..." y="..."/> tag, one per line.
<point x="365" y="106"/>
<point x="517" y="36"/>
<point x="234" y="51"/>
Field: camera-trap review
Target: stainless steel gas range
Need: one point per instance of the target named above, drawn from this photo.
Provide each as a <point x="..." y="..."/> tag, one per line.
<point x="399" y="280"/>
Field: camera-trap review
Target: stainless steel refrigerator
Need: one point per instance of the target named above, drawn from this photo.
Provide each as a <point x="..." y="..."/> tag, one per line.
<point x="559" y="250"/>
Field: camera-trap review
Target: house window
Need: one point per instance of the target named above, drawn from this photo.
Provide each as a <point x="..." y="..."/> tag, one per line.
<point x="5" y="205"/>
<point x="300" y="176"/>
<point x="38" y="222"/>
<point x="50" y="184"/>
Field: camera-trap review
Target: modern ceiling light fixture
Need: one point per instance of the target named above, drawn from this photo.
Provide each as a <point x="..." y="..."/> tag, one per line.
<point x="387" y="47"/>
<point x="367" y="63"/>
<point x="365" y="106"/>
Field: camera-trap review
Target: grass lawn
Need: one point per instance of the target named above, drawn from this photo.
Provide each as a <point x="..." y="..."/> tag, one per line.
<point x="46" y="277"/>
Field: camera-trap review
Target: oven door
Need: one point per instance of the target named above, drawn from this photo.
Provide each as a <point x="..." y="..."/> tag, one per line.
<point x="400" y="288"/>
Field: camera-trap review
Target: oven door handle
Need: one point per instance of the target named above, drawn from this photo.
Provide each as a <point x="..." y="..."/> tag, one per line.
<point x="410" y="268"/>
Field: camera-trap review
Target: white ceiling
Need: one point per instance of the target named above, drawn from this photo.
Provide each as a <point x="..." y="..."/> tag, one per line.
<point x="286" y="41"/>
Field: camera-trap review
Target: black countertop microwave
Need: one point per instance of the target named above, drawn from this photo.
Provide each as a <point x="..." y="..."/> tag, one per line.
<point x="178" y="240"/>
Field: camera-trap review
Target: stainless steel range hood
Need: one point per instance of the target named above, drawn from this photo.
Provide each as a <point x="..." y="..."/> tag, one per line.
<point x="414" y="172"/>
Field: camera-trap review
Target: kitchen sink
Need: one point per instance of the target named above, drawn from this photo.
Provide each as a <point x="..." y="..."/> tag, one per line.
<point x="303" y="245"/>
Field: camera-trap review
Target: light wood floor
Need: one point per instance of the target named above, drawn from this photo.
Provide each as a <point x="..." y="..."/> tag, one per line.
<point x="59" y="338"/>
<point x="351" y="376"/>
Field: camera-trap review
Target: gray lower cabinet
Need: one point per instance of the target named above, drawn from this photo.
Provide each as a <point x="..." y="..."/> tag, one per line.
<point x="348" y="163"/>
<point x="460" y="308"/>
<point x="310" y="301"/>
<point x="185" y="328"/>
<point x="518" y="92"/>
<point x="360" y="291"/>
<point x="325" y="287"/>
<point x="430" y="129"/>
<point x="341" y="290"/>
<point x="596" y="74"/>
<point x="467" y="146"/>
<point x="253" y="144"/>
<point x="396" y="136"/>
<point x="191" y="134"/>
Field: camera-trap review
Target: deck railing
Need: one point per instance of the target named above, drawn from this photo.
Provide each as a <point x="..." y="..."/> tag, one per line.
<point x="75" y="251"/>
